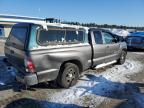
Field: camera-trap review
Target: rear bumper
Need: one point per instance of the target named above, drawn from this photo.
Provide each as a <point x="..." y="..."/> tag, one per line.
<point x="35" y="78"/>
<point x="27" y="79"/>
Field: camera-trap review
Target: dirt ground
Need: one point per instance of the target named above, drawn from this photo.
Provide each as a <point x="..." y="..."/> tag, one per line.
<point x="115" y="86"/>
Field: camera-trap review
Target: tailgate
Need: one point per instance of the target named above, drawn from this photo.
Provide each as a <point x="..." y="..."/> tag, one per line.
<point x="15" y="46"/>
<point x="15" y="57"/>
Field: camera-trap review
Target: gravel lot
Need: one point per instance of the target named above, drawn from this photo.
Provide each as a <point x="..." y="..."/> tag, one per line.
<point x="115" y="86"/>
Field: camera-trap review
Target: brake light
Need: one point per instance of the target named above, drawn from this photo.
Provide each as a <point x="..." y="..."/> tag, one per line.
<point x="29" y="65"/>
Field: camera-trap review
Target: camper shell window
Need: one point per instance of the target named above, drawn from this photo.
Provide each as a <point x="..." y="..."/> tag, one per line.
<point x="18" y="36"/>
<point x="59" y="36"/>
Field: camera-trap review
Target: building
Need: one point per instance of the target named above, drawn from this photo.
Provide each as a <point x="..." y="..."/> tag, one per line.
<point x="7" y="21"/>
<point x="5" y="28"/>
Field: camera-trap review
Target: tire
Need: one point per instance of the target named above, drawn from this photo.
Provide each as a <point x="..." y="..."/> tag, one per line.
<point x="68" y="76"/>
<point x="122" y="58"/>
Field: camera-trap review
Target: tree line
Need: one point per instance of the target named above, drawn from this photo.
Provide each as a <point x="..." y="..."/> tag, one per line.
<point x="104" y="25"/>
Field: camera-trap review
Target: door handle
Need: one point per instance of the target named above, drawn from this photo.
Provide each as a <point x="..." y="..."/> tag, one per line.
<point x="107" y="46"/>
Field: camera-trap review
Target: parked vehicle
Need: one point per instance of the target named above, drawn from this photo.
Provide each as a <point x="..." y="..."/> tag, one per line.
<point x="135" y="40"/>
<point x="1" y="32"/>
<point x="61" y="52"/>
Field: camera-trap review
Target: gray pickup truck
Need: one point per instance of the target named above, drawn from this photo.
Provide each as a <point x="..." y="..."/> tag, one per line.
<point x="60" y="52"/>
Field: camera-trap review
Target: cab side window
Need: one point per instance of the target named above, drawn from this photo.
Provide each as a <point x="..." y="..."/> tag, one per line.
<point x="108" y="38"/>
<point x="98" y="37"/>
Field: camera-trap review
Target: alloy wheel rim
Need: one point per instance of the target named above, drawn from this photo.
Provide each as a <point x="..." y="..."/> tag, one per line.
<point x="70" y="75"/>
<point x="123" y="57"/>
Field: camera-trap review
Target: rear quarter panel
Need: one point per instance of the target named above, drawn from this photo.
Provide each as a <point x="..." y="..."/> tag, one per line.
<point x="52" y="58"/>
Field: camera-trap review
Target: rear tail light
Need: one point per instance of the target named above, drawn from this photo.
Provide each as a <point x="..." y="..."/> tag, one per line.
<point x="29" y="65"/>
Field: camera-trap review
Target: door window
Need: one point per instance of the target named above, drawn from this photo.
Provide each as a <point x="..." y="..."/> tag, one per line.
<point x="108" y="38"/>
<point x="98" y="37"/>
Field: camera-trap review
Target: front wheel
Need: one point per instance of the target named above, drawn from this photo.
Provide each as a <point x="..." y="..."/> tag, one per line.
<point x="122" y="58"/>
<point x="69" y="75"/>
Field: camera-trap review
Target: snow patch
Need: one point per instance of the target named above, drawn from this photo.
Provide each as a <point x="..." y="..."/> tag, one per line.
<point x="139" y="53"/>
<point x="7" y="74"/>
<point x="97" y="86"/>
<point x="1" y="83"/>
<point x="120" y="32"/>
<point x="58" y="46"/>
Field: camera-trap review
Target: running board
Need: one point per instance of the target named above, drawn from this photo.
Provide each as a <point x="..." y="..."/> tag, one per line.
<point x="105" y="64"/>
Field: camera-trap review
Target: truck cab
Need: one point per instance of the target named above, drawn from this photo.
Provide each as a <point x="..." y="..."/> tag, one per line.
<point x="106" y="46"/>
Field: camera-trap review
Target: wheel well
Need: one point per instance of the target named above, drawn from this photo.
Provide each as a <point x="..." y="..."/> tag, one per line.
<point x="76" y="62"/>
<point x="124" y="49"/>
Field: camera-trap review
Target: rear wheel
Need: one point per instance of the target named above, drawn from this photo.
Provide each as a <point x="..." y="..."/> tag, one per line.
<point x="69" y="75"/>
<point x="122" y="58"/>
